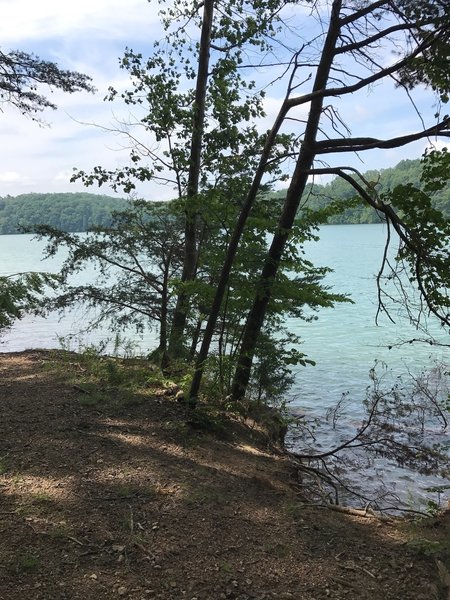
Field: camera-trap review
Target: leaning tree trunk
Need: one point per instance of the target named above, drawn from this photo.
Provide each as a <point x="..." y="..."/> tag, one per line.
<point x="190" y="242"/>
<point x="305" y="160"/>
<point x="231" y="253"/>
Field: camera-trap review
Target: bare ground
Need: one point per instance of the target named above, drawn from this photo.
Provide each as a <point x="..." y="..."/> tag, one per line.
<point x="123" y="498"/>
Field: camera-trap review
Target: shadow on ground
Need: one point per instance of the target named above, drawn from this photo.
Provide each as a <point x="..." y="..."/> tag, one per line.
<point x="127" y="500"/>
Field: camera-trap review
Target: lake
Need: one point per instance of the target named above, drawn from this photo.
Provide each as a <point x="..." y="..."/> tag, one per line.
<point x="345" y="342"/>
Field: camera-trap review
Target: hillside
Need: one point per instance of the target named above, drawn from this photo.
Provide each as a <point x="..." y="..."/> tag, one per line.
<point x="407" y="171"/>
<point x="69" y="211"/>
<point x="79" y="211"/>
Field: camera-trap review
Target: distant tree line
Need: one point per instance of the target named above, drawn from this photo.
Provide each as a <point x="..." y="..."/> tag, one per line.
<point x="71" y="212"/>
<point x="406" y="172"/>
<point x="74" y="212"/>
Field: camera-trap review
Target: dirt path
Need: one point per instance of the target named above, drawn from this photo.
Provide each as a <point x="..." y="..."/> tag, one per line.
<point x="125" y="499"/>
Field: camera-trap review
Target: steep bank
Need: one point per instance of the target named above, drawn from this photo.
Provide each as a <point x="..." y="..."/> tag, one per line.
<point x="112" y="492"/>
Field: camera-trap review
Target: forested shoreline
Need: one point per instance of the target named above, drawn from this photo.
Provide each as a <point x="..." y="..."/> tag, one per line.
<point x="79" y="211"/>
<point x="67" y="211"/>
<point x="404" y="173"/>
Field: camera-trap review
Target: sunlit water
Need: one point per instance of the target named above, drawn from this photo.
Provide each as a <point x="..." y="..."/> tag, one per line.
<point x="345" y="342"/>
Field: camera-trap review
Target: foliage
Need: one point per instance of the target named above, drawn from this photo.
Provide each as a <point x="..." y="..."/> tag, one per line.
<point x="72" y="212"/>
<point x="80" y="211"/>
<point x="23" y="292"/>
<point x="424" y="231"/>
<point x="196" y="118"/>
<point x="22" y="75"/>
<point x="347" y="60"/>
<point x="138" y="262"/>
<point x="137" y="257"/>
<point x="406" y="172"/>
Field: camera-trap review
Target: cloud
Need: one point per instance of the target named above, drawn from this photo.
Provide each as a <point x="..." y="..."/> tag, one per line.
<point x="437" y="145"/>
<point x="9" y="177"/>
<point x="89" y="36"/>
<point x="53" y="19"/>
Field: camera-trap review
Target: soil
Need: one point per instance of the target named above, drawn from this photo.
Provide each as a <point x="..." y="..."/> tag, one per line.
<point x="131" y="499"/>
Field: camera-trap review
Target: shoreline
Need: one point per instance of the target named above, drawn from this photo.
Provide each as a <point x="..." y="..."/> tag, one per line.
<point x="116" y="492"/>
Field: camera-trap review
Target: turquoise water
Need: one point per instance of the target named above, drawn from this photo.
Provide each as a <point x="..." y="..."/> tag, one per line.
<point x="345" y="342"/>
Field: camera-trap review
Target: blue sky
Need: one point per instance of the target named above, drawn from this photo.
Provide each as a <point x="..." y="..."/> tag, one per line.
<point x="90" y="36"/>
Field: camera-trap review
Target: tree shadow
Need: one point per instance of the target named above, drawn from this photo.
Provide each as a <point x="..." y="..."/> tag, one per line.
<point x="129" y="500"/>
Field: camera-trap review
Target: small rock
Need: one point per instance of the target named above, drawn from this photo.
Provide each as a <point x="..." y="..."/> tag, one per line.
<point x="93" y="576"/>
<point x="122" y="590"/>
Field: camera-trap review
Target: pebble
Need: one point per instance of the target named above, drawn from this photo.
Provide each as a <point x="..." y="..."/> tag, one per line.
<point x="122" y="591"/>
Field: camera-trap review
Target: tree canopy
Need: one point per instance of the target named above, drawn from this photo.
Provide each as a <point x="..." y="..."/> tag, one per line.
<point x="77" y="211"/>
<point x="22" y="76"/>
<point x="197" y="128"/>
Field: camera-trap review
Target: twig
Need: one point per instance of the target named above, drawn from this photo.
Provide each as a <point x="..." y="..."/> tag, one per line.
<point x="113" y="498"/>
<point x="131" y="518"/>
<point x="81" y="389"/>
<point x="69" y="537"/>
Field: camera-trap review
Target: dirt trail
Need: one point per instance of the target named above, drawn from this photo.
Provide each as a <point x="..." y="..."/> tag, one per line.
<point x="127" y="500"/>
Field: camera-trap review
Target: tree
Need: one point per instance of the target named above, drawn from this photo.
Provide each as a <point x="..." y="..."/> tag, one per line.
<point x="346" y="54"/>
<point x="136" y="257"/>
<point x="202" y="132"/>
<point x="352" y="32"/>
<point x="22" y="75"/>
<point x="21" y="293"/>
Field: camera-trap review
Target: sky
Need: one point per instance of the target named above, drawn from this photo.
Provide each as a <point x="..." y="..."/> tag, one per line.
<point x="89" y="36"/>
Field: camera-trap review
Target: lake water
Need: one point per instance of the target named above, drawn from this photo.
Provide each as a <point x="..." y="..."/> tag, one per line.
<point x="344" y="341"/>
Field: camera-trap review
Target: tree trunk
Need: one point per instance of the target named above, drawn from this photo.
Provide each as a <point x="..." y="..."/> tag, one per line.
<point x="231" y="253"/>
<point x="190" y="242"/>
<point x="305" y="160"/>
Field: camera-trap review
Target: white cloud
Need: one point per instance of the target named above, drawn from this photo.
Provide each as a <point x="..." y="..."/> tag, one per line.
<point x="437" y="145"/>
<point x="89" y="36"/>
<point x="23" y="20"/>
<point x="9" y="177"/>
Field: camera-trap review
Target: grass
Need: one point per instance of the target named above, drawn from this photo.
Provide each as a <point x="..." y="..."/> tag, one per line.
<point x="107" y="380"/>
<point x="41" y="498"/>
<point x="204" y="496"/>
<point x="226" y="567"/>
<point x="26" y="563"/>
